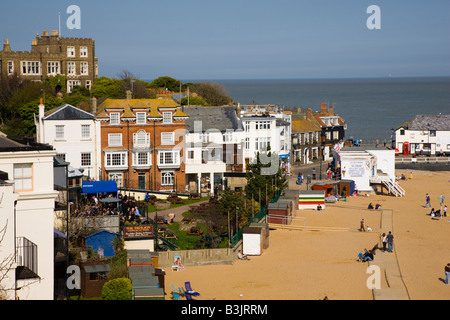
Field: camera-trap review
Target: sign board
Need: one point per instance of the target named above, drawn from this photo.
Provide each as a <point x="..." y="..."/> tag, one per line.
<point x="138" y="232"/>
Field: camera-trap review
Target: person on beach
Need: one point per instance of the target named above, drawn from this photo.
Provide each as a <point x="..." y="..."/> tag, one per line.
<point x="427" y="201"/>
<point x="242" y="256"/>
<point x="390" y="241"/>
<point x="444" y="211"/>
<point x="447" y="273"/>
<point x="370" y="207"/>
<point x="362" y="226"/>
<point x="384" y="241"/>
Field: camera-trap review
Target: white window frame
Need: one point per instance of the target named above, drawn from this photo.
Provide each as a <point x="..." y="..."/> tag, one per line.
<point x="111" y="159"/>
<point x="112" y="118"/>
<point x="247" y="126"/>
<point x="59" y="132"/>
<point x="167" y="138"/>
<point x="83" y="52"/>
<point x="167" y="117"/>
<point x="71" y="84"/>
<point x="23" y="172"/>
<point x="247" y="143"/>
<point x="114" y="139"/>
<point x="70" y="51"/>
<point x="85" y="131"/>
<point x="53" y="67"/>
<point x="263" y="125"/>
<point x="141" y="117"/>
<point x="31" y="67"/>
<point x="84" y="68"/>
<point x="71" y="68"/>
<point x="10" y="67"/>
<point x="117" y="177"/>
<point x="86" y="159"/>
<point x="163" y="158"/>
<point x="143" y="159"/>
<point x="141" y="139"/>
<point x="167" y="178"/>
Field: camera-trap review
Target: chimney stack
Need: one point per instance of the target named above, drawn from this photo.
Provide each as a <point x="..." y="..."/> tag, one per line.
<point x="129" y="96"/>
<point x="323" y="108"/>
<point x="330" y="110"/>
<point x="309" y="114"/>
<point x="6" y="46"/>
<point x="94" y="106"/>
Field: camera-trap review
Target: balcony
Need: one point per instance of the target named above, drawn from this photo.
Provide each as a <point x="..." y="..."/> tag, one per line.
<point x="26" y="259"/>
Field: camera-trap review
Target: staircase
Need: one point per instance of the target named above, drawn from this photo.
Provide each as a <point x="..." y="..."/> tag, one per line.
<point x="392" y="186"/>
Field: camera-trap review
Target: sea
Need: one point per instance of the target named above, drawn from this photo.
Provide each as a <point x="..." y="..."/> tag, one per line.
<point x="371" y="107"/>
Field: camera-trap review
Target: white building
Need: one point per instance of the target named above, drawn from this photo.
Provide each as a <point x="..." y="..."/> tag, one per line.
<point x="214" y="143"/>
<point x="368" y="168"/>
<point x="75" y="135"/>
<point x="425" y="134"/>
<point x="26" y="213"/>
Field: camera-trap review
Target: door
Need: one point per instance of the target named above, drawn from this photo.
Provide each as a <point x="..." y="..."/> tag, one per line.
<point x="141" y="181"/>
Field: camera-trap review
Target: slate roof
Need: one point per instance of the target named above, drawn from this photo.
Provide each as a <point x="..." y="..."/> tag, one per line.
<point x="68" y="112"/>
<point x="220" y="118"/>
<point x="425" y="122"/>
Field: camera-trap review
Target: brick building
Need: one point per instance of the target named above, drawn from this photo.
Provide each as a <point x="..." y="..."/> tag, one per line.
<point x="142" y="143"/>
<point x="52" y="55"/>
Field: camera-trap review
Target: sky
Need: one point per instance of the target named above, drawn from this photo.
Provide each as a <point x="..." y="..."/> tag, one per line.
<point x="247" y="39"/>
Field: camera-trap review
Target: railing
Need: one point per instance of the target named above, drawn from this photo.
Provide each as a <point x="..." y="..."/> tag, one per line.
<point x="423" y="160"/>
<point x="392" y="186"/>
<point x="26" y="256"/>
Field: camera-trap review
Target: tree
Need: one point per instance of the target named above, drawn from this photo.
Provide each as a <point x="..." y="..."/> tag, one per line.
<point x="167" y="83"/>
<point x="214" y="93"/>
<point x="194" y="101"/>
<point x="117" y="289"/>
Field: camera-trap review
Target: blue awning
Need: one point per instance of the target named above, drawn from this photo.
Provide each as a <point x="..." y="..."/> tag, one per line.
<point x="99" y="186"/>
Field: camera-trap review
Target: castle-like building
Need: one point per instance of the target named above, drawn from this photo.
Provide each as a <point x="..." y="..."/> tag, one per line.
<point x="52" y="55"/>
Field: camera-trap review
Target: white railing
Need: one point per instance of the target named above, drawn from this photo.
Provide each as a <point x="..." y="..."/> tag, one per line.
<point x="392" y="186"/>
<point x="442" y="160"/>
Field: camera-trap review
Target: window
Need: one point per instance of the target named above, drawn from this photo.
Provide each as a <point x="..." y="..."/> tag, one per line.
<point x="228" y="136"/>
<point x="168" y="158"/>
<point x="23" y="177"/>
<point x="84" y="68"/>
<point x="247" y="126"/>
<point x="167" y="178"/>
<point x="247" y="143"/>
<point x="31" y="67"/>
<point x="191" y="154"/>
<point x="114" y="118"/>
<point x="71" y="84"/>
<point x="71" y="69"/>
<point x="116" y="159"/>
<point x="62" y="156"/>
<point x="71" y="51"/>
<point x="204" y="137"/>
<point x="167" y="138"/>
<point x="432" y="133"/>
<point x="52" y="67"/>
<point x="141" y="159"/>
<point x="88" y="84"/>
<point x="85" y="131"/>
<point x="262" y="125"/>
<point x="117" y="177"/>
<point x="10" y="67"/>
<point x="59" y="132"/>
<point x="85" y="159"/>
<point x="262" y="143"/>
<point x="141" y="139"/>
<point x="114" y="140"/>
<point x="402" y="132"/>
<point x="83" y="52"/>
<point x="140" y="118"/>
<point x="167" y="117"/>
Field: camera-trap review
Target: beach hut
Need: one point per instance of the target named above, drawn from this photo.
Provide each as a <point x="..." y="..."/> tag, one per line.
<point x="93" y="276"/>
<point x="265" y="232"/>
<point x="346" y="188"/>
<point x="252" y="241"/>
<point x="279" y="212"/>
<point x="311" y="199"/>
<point x="324" y="186"/>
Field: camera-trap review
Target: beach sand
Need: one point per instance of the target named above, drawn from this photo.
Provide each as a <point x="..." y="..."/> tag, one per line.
<point x="312" y="264"/>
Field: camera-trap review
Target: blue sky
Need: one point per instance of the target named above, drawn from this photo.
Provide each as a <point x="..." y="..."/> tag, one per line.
<point x="209" y="39"/>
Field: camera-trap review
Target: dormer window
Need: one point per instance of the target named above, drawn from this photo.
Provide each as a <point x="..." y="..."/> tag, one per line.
<point x="114" y="118"/>
<point x="141" y="118"/>
<point x="167" y="117"/>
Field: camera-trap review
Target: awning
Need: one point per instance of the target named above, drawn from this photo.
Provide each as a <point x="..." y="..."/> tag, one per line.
<point x="98" y="186"/>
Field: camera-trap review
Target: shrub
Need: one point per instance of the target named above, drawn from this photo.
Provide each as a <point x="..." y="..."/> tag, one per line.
<point x="117" y="289"/>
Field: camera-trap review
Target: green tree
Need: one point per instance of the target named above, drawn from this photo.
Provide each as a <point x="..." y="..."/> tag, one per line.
<point x="214" y="93"/>
<point x="168" y="83"/>
<point x="194" y="101"/>
<point x="117" y="289"/>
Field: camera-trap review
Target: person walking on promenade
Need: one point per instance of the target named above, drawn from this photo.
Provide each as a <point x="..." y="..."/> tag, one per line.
<point x="447" y="273"/>
<point x="384" y="241"/>
<point x="390" y="241"/>
<point x="362" y="226"/>
<point x="427" y="201"/>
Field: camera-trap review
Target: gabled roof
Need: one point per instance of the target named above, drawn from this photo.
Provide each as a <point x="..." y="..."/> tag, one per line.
<point x="127" y="105"/>
<point x="425" y="122"/>
<point x="68" y="112"/>
<point x="299" y="126"/>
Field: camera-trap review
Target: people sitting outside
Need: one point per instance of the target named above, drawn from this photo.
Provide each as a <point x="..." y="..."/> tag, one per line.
<point x="368" y="256"/>
<point x="319" y="207"/>
<point x="370" y="207"/>
<point x="445" y="211"/>
<point x="147" y="197"/>
<point x="432" y="214"/>
<point x="368" y="229"/>
<point x="377" y="207"/>
<point x="242" y="256"/>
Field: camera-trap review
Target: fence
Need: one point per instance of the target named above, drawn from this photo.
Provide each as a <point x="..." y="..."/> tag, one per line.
<point x="440" y="160"/>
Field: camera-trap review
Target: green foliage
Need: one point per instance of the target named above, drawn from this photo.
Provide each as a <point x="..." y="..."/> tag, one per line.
<point x="168" y="83"/>
<point x="194" y="101"/>
<point x="118" y="265"/>
<point x="104" y="87"/>
<point x="117" y="289"/>
<point x="214" y="93"/>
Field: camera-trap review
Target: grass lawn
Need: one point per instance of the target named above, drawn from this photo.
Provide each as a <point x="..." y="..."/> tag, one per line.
<point x="151" y="207"/>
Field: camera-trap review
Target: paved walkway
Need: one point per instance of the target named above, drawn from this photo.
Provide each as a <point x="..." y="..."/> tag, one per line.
<point x="178" y="211"/>
<point x="387" y="261"/>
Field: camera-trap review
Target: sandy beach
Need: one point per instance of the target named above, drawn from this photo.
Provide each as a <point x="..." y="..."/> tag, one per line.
<point x="312" y="264"/>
